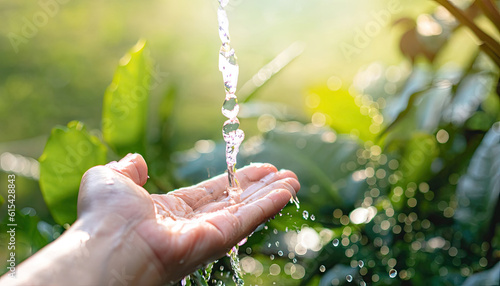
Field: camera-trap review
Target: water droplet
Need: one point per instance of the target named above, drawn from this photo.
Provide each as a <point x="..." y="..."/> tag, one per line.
<point x="233" y="137"/>
<point x="269" y="245"/>
<point x="393" y="273"/>
<point x="271" y="256"/>
<point x="280" y="253"/>
<point x="277" y="243"/>
<point x="322" y="268"/>
<point x="286" y="229"/>
<point x="361" y="264"/>
<point x="313" y="218"/>
<point x="348" y="278"/>
<point x="335" y="242"/>
<point x="223" y="3"/>
<point x="294" y="260"/>
<point x="229" y="126"/>
<point x="362" y="283"/>
<point x="223" y="25"/>
<point x="243" y="241"/>
<point x="295" y="200"/>
<point x="305" y="214"/>
<point x="230" y="107"/>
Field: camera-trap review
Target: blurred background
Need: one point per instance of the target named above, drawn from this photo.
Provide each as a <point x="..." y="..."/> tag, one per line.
<point x="380" y="103"/>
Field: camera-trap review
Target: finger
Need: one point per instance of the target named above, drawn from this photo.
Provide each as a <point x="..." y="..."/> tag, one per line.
<point x="239" y="221"/>
<point x="132" y="166"/>
<point x="256" y="191"/>
<point x="213" y="189"/>
<point x="288" y="183"/>
<point x="257" y="187"/>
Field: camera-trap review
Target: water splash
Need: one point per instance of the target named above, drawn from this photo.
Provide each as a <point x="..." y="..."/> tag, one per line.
<point x="295" y="200"/>
<point x="228" y="65"/>
<point x="235" y="264"/>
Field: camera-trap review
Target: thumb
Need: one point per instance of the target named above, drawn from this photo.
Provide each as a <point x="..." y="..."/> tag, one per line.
<point x="132" y="166"/>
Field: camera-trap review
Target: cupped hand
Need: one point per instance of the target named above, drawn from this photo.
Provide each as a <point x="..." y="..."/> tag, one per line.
<point x="189" y="227"/>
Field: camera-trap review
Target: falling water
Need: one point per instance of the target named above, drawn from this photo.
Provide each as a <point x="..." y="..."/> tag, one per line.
<point x="230" y="130"/>
<point x="229" y="68"/>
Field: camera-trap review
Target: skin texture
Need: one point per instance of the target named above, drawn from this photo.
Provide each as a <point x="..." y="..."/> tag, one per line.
<point x="125" y="236"/>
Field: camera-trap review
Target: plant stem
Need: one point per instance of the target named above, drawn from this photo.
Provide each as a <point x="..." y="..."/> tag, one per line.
<point x="493" y="47"/>
<point x="491" y="11"/>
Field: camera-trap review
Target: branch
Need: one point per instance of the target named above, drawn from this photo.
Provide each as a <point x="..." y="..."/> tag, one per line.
<point x="491" y="11"/>
<point x="493" y="47"/>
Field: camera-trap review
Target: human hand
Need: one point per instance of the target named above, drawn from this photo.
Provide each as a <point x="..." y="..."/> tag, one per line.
<point x="187" y="228"/>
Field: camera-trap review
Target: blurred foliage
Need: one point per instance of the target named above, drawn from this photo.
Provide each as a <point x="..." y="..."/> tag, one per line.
<point x="126" y="103"/>
<point x="430" y="171"/>
<point x="399" y="168"/>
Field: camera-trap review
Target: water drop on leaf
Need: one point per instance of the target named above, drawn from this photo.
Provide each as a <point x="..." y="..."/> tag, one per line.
<point x="305" y="215"/>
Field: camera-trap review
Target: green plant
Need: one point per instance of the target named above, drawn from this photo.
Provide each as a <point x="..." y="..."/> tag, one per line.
<point x="399" y="170"/>
<point x="411" y="187"/>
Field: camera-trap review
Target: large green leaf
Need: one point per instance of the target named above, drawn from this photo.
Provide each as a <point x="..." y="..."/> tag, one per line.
<point x="318" y="158"/>
<point x="124" y="117"/>
<point x="69" y="152"/>
<point x="479" y="189"/>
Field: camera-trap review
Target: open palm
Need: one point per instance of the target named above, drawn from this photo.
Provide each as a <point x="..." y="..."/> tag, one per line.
<point x="192" y="226"/>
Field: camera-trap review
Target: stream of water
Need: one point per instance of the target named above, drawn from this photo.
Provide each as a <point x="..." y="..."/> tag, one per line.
<point x="228" y="65"/>
<point x="233" y="136"/>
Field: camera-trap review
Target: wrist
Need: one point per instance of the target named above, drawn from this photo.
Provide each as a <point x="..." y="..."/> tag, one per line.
<point x="118" y="253"/>
<point x="103" y="250"/>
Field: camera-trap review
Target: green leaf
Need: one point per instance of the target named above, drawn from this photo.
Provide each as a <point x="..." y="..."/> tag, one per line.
<point x="423" y="112"/>
<point x="479" y="189"/>
<point x="124" y="118"/>
<point x="472" y="90"/>
<point x="418" y="82"/>
<point x="2" y="200"/>
<point x="346" y="113"/>
<point x="68" y="154"/>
